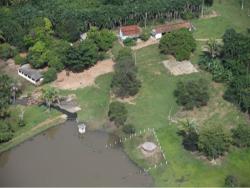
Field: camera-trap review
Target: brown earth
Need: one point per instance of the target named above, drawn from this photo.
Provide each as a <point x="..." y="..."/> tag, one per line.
<point x="83" y="79"/>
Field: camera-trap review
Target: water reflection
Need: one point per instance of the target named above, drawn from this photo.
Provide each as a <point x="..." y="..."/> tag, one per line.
<point x="4" y="158"/>
<point x="67" y="160"/>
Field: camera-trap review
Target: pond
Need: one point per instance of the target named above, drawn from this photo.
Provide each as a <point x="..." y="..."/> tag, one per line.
<point x="60" y="157"/>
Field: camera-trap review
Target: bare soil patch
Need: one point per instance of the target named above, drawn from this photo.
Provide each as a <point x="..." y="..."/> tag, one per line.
<point x="142" y="44"/>
<point x="83" y="79"/>
<point x="179" y="67"/>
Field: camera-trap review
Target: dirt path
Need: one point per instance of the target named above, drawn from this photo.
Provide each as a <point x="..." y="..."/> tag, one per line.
<point x="142" y="44"/>
<point x="83" y="79"/>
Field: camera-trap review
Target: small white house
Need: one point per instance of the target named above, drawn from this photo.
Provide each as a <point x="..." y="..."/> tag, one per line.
<point x="32" y="75"/>
<point x="131" y="31"/>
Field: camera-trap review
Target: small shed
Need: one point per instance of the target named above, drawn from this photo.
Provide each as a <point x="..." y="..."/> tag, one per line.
<point x="130" y="31"/>
<point x="32" y="75"/>
<point x="160" y="30"/>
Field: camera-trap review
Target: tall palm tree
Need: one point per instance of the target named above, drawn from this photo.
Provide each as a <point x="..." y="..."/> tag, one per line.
<point x="50" y="95"/>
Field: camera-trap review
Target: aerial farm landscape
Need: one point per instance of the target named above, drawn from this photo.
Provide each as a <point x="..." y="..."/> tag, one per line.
<point x="122" y="93"/>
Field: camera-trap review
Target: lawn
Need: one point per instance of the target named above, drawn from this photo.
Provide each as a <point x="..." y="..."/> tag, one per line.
<point x="231" y="16"/>
<point x="151" y="108"/>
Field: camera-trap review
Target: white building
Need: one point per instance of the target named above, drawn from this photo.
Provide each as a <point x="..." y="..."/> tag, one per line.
<point x="160" y="30"/>
<point x="131" y="31"/>
<point x="32" y="75"/>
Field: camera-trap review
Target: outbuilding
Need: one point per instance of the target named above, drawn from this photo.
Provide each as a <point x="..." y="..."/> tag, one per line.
<point x="32" y="75"/>
<point x="130" y="31"/>
<point x="160" y="30"/>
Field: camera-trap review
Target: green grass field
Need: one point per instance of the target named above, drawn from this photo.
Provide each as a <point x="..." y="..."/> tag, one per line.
<point x="231" y="16"/>
<point x="153" y="105"/>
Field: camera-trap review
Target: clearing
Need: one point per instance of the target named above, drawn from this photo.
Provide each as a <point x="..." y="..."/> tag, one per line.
<point x="83" y="79"/>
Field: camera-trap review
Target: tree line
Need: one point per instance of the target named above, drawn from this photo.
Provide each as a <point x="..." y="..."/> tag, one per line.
<point x="69" y="19"/>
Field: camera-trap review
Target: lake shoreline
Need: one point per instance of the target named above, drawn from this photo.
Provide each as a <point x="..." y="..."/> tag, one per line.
<point x="40" y="128"/>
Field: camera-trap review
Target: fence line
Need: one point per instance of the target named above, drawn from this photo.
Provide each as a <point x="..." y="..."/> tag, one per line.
<point x="140" y="132"/>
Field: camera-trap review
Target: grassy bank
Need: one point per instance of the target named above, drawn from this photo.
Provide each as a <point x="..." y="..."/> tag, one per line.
<point x="94" y="102"/>
<point x="151" y="108"/>
<point x="38" y="119"/>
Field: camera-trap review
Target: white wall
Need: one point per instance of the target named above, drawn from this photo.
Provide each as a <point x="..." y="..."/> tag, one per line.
<point x="30" y="80"/>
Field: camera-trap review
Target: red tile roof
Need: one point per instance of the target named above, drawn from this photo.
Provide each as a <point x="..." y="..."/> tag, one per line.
<point x="172" y="26"/>
<point x="131" y="30"/>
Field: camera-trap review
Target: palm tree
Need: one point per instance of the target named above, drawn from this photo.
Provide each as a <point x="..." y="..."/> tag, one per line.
<point x="50" y="95"/>
<point x="213" y="48"/>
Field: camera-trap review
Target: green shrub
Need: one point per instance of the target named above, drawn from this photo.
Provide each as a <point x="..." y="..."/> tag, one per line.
<point x="192" y="93"/>
<point x="6" y="51"/>
<point x="129" y="42"/>
<point x="21" y="123"/>
<point x="128" y="129"/>
<point x="19" y="60"/>
<point x="117" y="113"/>
<point x="50" y="75"/>
<point x="214" y="141"/>
<point x="145" y="35"/>
<point x="5" y="133"/>
<point x="231" y="181"/>
<point x="241" y="136"/>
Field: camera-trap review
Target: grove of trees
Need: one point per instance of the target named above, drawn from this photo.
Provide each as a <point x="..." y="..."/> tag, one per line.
<point x="70" y="18"/>
<point x="232" y="67"/>
<point x="125" y="82"/>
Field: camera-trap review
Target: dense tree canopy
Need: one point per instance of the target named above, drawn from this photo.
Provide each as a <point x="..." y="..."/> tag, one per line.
<point x="125" y="82"/>
<point x="78" y="58"/>
<point x="178" y="43"/>
<point x="70" y="18"/>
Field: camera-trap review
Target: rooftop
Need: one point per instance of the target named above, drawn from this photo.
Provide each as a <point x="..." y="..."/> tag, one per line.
<point x="172" y="26"/>
<point x="32" y="73"/>
<point x="131" y="30"/>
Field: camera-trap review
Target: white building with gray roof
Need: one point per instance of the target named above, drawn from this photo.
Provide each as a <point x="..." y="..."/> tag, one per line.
<point x="32" y="75"/>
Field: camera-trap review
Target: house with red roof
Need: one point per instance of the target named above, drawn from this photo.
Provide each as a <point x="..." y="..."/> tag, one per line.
<point x="160" y="30"/>
<point x="130" y="31"/>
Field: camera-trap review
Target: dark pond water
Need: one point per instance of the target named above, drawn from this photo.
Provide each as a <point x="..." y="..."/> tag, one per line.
<point x="59" y="157"/>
